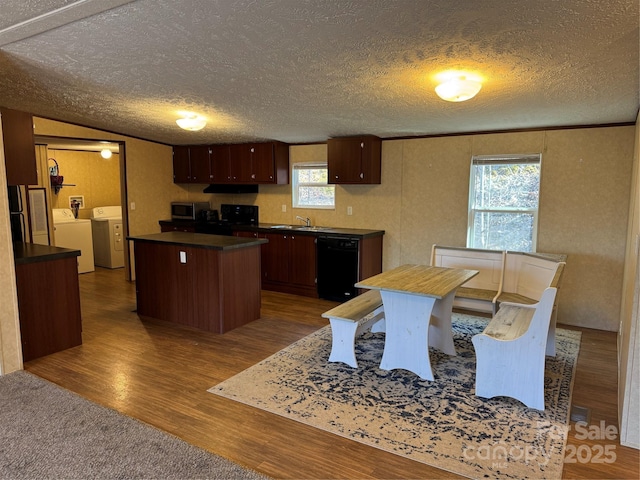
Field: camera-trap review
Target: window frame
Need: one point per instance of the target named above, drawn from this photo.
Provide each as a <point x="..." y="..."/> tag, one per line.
<point x="523" y="159"/>
<point x="295" y="185"/>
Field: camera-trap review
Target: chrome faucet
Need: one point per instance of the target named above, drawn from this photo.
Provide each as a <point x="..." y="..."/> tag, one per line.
<point x="307" y="220"/>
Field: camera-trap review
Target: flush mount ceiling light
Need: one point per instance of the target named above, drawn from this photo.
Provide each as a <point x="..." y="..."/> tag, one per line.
<point x="191" y="121"/>
<point x="105" y="153"/>
<point x="458" y="89"/>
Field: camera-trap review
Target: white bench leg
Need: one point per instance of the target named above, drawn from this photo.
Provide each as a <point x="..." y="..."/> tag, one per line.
<point x="507" y="368"/>
<point x="343" y="338"/>
<point x="551" y="336"/>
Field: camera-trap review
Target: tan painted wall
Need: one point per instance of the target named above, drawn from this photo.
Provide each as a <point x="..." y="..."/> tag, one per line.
<point x="95" y="178"/>
<point x="423" y="199"/>
<point x="586" y="185"/>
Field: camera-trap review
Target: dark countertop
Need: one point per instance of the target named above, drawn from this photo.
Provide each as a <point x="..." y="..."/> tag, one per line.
<point x="202" y="240"/>
<point x="347" y="232"/>
<point x="24" y="253"/>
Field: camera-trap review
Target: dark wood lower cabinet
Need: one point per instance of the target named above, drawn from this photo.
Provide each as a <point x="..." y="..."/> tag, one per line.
<point x="288" y="262"/>
<point x="213" y="290"/>
<point x="49" y="305"/>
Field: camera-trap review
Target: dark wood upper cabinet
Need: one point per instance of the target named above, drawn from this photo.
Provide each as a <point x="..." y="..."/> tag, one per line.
<point x="354" y="160"/>
<point x="199" y="164"/>
<point x="220" y="163"/>
<point x="19" y="147"/>
<point x="240" y="164"/>
<point x="181" y="168"/>
<point x="246" y="163"/>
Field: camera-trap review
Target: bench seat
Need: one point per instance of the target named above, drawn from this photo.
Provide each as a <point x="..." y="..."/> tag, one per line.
<point x="350" y="319"/>
<point x="510" y="352"/>
<point x="515" y="298"/>
<point x="476" y="294"/>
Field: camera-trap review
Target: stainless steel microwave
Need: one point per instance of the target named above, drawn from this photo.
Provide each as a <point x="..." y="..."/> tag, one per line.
<point x="188" y="210"/>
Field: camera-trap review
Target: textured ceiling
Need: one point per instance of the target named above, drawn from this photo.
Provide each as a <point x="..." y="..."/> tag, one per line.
<point x="306" y="70"/>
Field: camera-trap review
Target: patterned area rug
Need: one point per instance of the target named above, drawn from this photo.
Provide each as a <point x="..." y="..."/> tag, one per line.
<point x="440" y="423"/>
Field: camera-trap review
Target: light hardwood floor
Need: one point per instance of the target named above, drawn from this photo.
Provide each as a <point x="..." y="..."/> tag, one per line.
<point x="160" y="373"/>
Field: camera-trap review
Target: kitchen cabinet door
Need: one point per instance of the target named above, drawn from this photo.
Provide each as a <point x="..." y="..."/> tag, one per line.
<point x="354" y="160"/>
<point x="262" y="162"/>
<point x="19" y="147"/>
<point x="220" y="168"/>
<point x="240" y="164"/>
<point x="276" y="259"/>
<point x="199" y="165"/>
<point x="181" y="168"/>
<point x="302" y="260"/>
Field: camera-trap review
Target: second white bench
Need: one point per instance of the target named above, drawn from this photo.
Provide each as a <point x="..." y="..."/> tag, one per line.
<point x="510" y="352"/>
<point x="350" y="319"/>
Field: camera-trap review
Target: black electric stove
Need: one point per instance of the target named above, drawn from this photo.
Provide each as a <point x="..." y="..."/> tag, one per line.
<point x="230" y="216"/>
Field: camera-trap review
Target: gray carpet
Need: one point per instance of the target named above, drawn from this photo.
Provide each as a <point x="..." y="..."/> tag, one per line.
<point x="47" y="432"/>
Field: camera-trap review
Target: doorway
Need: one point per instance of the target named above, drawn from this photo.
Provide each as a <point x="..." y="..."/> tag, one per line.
<point x="89" y="173"/>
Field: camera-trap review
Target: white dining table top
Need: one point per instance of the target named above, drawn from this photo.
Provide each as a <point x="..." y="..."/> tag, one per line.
<point x="423" y="280"/>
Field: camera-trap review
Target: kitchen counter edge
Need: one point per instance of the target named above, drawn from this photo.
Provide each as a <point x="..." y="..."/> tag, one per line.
<point x="201" y="240"/>
<point x="24" y="253"/>
<point x="346" y="232"/>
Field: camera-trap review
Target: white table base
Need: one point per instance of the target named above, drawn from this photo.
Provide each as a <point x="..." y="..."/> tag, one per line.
<point x="413" y="323"/>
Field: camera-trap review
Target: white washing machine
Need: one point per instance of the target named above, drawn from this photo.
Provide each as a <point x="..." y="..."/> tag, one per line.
<point x="108" y="236"/>
<point x="75" y="233"/>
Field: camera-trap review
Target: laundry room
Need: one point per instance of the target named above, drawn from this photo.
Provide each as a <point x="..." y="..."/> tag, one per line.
<point x="86" y="202"/>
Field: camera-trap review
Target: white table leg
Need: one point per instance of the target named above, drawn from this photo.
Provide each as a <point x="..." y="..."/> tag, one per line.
<point x="407" y="332"/>
<point x="440" y="332"/>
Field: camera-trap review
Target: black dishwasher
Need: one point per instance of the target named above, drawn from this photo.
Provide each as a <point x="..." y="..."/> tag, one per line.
<point x="337" y="267"/>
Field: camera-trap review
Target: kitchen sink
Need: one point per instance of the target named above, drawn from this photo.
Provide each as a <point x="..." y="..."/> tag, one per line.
<point x="300" y="228"/>
<point x="314" y="229"/>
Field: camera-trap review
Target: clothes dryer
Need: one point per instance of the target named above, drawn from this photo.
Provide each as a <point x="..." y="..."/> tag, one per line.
<point x="75" y="233"/>
<point x="108" y="236"/>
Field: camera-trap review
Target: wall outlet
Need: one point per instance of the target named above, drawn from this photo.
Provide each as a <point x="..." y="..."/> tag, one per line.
<point x="349" y="211"/>
<point x="284" y="207"/>
<point x="133" y="205"/>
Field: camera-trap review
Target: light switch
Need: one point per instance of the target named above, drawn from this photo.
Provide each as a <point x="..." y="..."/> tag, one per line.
<point x="349" y="211"/>
<point x="183" y="257"/>
<point x="284" y="207"/>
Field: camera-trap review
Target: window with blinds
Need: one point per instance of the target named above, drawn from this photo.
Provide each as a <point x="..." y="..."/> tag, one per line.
<point x="504" y="195"/>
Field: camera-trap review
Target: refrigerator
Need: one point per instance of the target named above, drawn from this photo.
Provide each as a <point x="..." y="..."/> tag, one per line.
<point x="29" y="214"/>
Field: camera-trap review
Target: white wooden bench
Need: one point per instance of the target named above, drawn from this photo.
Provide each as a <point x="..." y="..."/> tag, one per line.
<point x="510" y="352"/>
<point x="349" y="320"/>
<point x="526" y="277"/>
<point x="516" y="277"/>
<point x="481" y="292"/>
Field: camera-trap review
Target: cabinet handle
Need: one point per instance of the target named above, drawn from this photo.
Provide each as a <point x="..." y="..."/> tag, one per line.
<point x="252" y="150"/>
<point x="336" y="176"/>
<point x="253" y="176"/>
<point x="361" y="175"/>
<point x="361" y="144"/>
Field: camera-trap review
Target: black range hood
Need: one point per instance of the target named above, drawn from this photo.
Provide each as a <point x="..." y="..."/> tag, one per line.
<point x="230" y="188"/>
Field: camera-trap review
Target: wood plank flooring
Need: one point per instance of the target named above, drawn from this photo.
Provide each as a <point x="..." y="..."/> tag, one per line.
<point x="159" y="373"/>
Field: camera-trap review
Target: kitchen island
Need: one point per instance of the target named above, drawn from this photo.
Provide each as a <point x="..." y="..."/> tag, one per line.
<point x="209" y="282"/>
